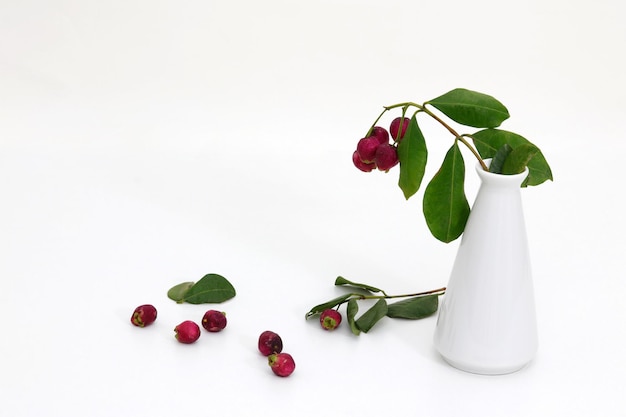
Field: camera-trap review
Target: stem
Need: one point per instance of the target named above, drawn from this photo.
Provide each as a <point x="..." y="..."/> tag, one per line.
<point x="459" y="137"/>
<point x="474" y="151"/>
<point x="423" y="108"/>
<point x="369" y="132"/>
<point x="438" y="291"/>
<point x="405" y="104"/>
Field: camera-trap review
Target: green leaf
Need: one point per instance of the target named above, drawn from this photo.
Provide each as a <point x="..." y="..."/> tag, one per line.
<point x="412" y="154"/>
<point x="342" y="281"/>
<point x="519" y="158"/>
<point x="352" y="309"/>
<point x="471" y="108"/>
<point x="328" y="304"/>
<point x="212" y="288"/>
<point x="498" y="159"/>
<point x="177" y="292"/>
<point x="445" y="206"/>
<point x="414" y="308"/>
<point x="488" y="142"/>
<point x="372" y="316"/>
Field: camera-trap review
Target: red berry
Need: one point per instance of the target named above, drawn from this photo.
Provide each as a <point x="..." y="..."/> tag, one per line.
<point x="187" y="332"/>
<point x="330" y="319"/>
<point x="363" y="166"/>
<point x="381" y="134"/>
<point x="282" y="364"/>
<point x="386" y="157"/>
<point x="394" y="128"/>
<point x="144" y="315"/>
<point x="214" y="321"/>
<point x="270" y="343"/>
<point x="366" y="148"/>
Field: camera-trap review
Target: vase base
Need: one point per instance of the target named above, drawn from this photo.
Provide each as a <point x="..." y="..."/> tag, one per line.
<point x="485" y="369"/>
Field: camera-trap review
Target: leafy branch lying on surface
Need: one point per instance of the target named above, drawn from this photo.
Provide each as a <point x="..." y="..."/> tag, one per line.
<point x="414" y="306"/>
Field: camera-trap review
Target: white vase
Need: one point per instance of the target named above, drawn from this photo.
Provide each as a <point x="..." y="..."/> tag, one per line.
<point x="486" y="322"/>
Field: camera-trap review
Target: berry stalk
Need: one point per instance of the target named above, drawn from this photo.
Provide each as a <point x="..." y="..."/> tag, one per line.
<point x="357" y="296"/>
<point x="438" y="291"/>
<point x="423" y="108"/>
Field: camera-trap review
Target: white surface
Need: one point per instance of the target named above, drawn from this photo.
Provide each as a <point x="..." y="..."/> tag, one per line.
<point x="145" y="143"/>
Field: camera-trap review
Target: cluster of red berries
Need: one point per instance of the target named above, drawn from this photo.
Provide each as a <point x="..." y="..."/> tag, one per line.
<point x="271" y="345"/>
<point x="186" y="332"/>
<point x="375" y="150"/>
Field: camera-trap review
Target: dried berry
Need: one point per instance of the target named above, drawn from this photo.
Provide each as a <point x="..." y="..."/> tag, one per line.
<point x="214" y="321"/>
<point x="270" y="343"/>
<point x="187" y="332"/>
<point x="282" y="364"/>
<point x="330" y="319"/>
<point x="144" y="315"/>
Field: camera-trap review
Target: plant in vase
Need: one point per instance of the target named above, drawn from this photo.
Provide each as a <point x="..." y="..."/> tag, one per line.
<point x="486" y="322"/>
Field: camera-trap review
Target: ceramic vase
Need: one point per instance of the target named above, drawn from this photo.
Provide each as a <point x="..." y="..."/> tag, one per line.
<point x="486" y="322"/>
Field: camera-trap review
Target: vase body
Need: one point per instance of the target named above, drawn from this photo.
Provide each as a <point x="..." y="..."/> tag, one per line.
<point x="487" y="322"/>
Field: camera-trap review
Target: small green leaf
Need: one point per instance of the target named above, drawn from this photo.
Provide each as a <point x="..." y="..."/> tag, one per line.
<point x="414" y="308"/>
<point x="177" y="292"/>
<point x="519" y="158"/>
<point x="412" y="154"/>
<point x="488" y="141"/>
<point x="471" y="108"/>
<point x="372" y="316"/>
<point x="342" y="281"/>
<point x="212" y="288"/>
<point x="498" y="159"/>
<point x="329" y="304"/>
<point x="352" y="309"/>
<point x="445" y="206"/>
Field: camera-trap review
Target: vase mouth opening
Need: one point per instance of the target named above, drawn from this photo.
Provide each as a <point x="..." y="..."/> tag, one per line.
<point x="500" y="177"/>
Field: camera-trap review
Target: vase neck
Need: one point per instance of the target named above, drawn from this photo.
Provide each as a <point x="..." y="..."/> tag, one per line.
<point x="500" y="180"/>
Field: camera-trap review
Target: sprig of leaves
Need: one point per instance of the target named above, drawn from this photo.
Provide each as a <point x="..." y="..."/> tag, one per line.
<point x="414" y="306"/>
<point x="445" y="206"/>
<point x="212" y="288"/>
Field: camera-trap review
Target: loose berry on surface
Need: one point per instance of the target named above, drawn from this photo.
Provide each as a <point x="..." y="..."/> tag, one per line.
<point x="187" y="332"/>
<point x="394" y="128"/>
<point x="386" y="157"/>
<point x="363" y="166"/>
<point x="282" y="364"/>
<point x="214" y="321"/>
<point x="144" y="315"/>
<point x="330" y="319"/>
<point x="270" y="343"/>
<point x="381" y="134"/>
<point x="366" y="148"/>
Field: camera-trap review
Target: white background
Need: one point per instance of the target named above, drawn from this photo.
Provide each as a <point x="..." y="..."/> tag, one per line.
<point x="146" y="143"/>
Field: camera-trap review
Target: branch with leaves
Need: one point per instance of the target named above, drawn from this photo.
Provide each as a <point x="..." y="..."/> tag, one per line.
<point x="413" y="306"/>
<point x="445" y="205"/>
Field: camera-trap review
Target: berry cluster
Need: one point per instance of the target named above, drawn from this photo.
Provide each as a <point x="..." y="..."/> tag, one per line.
<point x="186" y="332"/>
<point x="271" y="345"/>
<point x="375" y="150"/>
